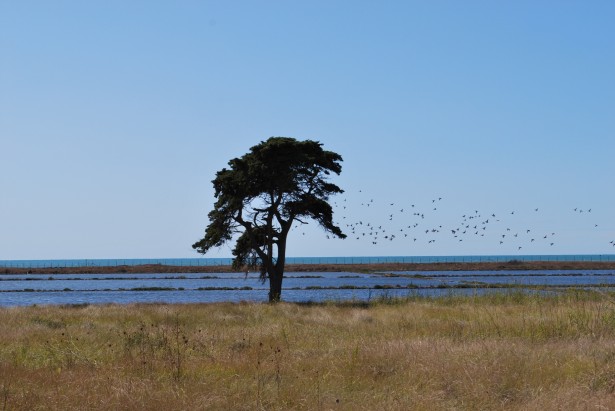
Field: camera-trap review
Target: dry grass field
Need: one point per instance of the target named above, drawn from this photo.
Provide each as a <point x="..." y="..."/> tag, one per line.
<point x="510" y="351"/>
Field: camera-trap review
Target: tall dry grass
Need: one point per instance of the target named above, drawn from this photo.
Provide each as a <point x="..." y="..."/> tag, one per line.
<point x="508" y="351"/>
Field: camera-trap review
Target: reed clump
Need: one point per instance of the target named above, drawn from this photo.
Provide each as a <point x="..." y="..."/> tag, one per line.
<point x="512" y="350"/>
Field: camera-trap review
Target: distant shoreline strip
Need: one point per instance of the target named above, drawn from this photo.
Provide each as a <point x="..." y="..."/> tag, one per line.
<point x="216" y="262"/>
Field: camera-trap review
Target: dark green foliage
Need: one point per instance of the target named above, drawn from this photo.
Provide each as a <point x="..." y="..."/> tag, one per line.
<point x="279" y="182"/>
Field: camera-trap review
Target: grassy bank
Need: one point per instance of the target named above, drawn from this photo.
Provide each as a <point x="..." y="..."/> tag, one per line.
<point x="508" y="351"/>
<point x="463" y="266"/>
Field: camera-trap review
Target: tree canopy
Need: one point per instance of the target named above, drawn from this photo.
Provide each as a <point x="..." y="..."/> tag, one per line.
<point x="261" y="195"/>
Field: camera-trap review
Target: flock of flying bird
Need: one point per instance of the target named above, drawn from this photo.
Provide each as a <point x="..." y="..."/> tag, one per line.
<point x="412" y="224"/>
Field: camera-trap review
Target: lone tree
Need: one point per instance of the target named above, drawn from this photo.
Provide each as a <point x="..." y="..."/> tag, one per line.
<point x="279" y="182"/>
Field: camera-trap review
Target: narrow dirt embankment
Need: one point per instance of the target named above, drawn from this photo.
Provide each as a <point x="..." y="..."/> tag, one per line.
<point x="480" y="266"/>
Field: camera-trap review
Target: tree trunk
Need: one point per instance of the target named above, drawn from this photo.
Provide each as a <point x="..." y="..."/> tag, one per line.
<point x="277" y="271"/>
<point x="275" y="286"/>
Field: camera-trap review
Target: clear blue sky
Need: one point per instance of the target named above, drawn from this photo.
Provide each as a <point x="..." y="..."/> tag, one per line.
<point x="115" y="116"/>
